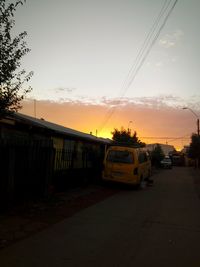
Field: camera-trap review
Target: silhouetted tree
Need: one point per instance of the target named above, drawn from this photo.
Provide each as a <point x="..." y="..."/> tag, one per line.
<point x="125" y="137"/>
<point x="194" y="149"/>
<point x="12" y="49"/>
<point x="157" y="155"/>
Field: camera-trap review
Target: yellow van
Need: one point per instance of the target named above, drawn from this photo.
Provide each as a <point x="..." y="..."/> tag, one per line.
<point x="127" y="165"/>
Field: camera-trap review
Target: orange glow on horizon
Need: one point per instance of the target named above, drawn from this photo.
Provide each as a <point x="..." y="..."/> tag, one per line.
<point x="178" y="144"/>
<point x="106" y="133"/>
<point x="147" y="122"/>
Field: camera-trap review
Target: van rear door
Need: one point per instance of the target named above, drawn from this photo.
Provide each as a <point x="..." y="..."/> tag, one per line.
<point x="119" y="165"/>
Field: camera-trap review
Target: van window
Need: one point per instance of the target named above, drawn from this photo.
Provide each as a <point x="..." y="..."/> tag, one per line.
<point x="120" y="156"/>
<point x="142" y="157"/>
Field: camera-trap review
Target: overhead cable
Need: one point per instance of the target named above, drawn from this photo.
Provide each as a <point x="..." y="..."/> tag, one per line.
<point x="142" y="55"/>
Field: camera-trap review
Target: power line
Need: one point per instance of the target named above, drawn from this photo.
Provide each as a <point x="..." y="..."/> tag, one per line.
<point x="167" y="138"/>
<point x="145" y="44"/>
<point x="142" y="55"/>
<point x="150" y="47"/>
<point x="112" y="110"/>
<point x="164" y="137"/>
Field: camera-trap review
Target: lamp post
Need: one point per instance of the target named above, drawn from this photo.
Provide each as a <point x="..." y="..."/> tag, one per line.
<point x="196" y="117"/>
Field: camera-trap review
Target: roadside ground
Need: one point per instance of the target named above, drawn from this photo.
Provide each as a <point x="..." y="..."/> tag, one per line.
<point x="31" y="217"/>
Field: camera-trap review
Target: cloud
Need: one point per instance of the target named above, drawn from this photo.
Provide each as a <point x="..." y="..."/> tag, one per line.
<point x="194" y="103"/>
<point x="159" y="64"/>
<point x="155" y="102"/>
<point x="171" y="39"/>
<point x="150" y="102"/>
<point x="64" y="90"/>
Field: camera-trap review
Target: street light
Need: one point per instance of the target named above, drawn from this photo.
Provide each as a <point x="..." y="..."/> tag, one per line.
<point x="196" y="117"/>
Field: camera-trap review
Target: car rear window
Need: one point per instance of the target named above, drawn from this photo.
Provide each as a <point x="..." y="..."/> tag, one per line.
<point x="120" y="156"/>
<point x="167" y="160"/>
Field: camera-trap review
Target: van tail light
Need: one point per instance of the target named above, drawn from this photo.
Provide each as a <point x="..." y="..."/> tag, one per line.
<point x="135" y="171"/>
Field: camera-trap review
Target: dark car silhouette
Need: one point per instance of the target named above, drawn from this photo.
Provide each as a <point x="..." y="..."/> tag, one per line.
<point x="166" y="163"/>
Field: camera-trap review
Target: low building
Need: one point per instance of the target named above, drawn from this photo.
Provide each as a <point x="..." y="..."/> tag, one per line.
<point x="167" y="149"/>
<point x="35" y="154"/>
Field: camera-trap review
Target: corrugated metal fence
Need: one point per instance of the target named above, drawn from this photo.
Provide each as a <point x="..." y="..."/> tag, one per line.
<point x="28" y="169"/>
<point x="25" y="169"/>
<point x="75" y="168"/>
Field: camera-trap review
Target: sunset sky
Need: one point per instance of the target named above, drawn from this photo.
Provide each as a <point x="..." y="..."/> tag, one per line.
<point x="93" y="69"/>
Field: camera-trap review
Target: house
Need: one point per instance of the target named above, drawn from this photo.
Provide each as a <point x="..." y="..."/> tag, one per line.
<point x="167" y="149"/>
<point x="35" y="153"/>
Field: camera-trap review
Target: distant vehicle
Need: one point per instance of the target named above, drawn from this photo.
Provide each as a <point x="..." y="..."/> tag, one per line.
<point x="178" y="160"/>
<point x="166" y="163"/>
<point x="128" y="165"/>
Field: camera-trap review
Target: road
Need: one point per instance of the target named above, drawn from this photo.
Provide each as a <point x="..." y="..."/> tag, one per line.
<point x="156" y="226"/>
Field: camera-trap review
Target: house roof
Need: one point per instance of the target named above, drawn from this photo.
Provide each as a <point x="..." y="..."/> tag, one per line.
<point x="58" y="128"/>
<point x="166" y="148"/>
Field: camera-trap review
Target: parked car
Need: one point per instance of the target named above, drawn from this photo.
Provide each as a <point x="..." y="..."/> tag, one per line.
<point x="166" y="163"/>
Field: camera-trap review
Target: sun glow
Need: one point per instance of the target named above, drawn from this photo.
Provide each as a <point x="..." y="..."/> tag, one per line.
<point x="147" y="122"/>
<point x="105" y="133"/>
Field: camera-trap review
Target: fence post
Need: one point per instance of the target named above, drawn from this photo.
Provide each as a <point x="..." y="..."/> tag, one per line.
<point x="50" y="165"/>
<point x="11" y="174"/>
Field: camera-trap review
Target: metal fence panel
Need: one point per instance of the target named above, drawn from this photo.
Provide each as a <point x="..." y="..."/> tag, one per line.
<point x="26" y="168"/>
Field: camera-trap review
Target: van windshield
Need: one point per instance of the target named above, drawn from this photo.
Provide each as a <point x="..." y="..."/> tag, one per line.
<point x="120" y="156"/>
